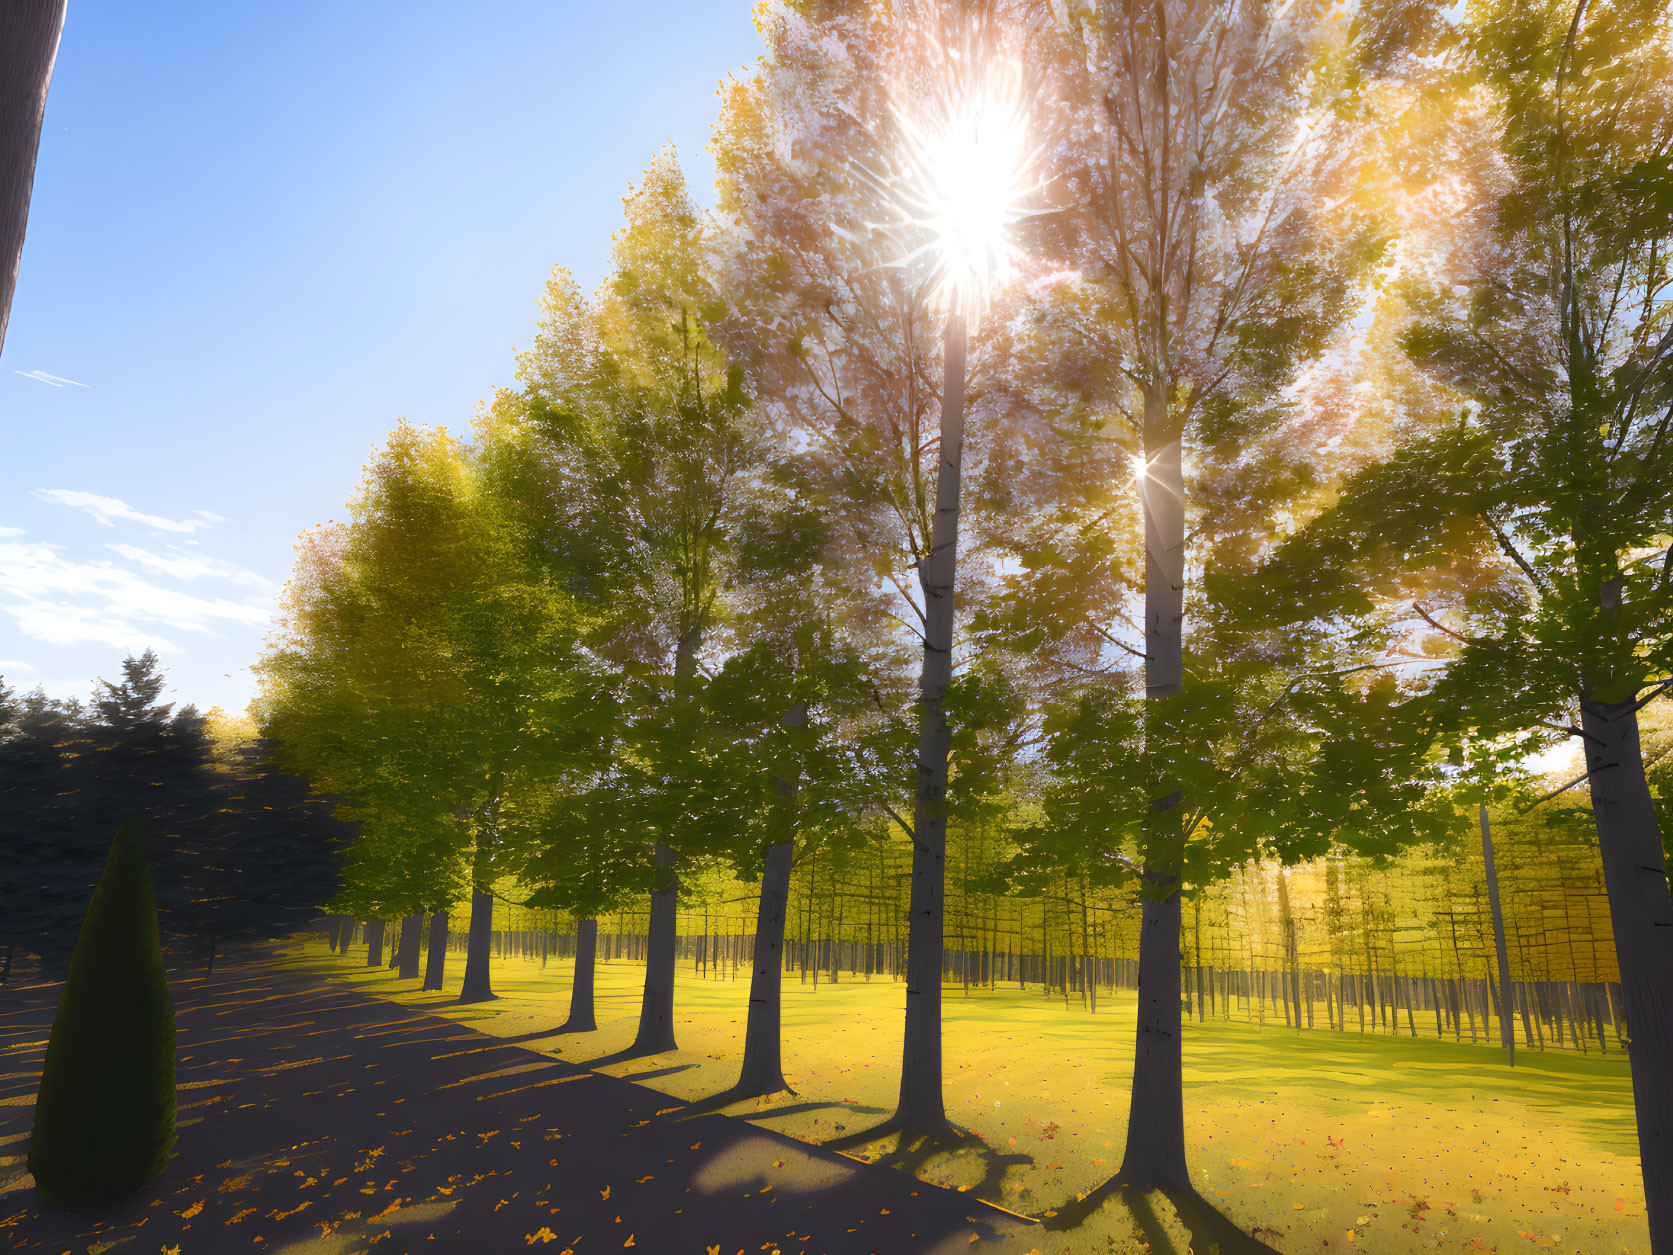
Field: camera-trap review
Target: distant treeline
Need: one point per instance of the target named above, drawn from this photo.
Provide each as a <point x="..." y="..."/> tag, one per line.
<point x="237" y="851"/>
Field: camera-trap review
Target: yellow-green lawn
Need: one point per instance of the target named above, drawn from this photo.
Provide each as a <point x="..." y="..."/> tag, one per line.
<point x="1312" y="1140"/>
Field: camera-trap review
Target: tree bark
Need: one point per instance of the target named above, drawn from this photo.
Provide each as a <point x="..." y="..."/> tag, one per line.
<point x="412" y="927"/>
<point x="478" y="986"/>
<point x="1635" y="877"/>
<point x="656" y="1007"/>
<point x="374" y="943"/>
<point x="29" y="31"/>
<point x="581" y="983"/>
<point x="1154" y="1156"/>
<point x="763" y="1069"/>
<point x="435" y="962"/>
<point x="1507" y="1019"/>
<point x="921" y="1105"/>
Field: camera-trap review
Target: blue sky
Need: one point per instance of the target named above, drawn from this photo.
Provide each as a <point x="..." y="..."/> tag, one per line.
<point x="262" y="233"/>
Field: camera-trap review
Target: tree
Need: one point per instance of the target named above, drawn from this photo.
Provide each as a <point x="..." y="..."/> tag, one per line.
<point x="646" y="426"/>
<point x="795" y="746"/>
<point x="29" y="32"/>
<point x="830" y="189"/>
<point x="104" y="1118"/>
<point x="239" y="850"/>
<point x="1535" y="303"/>
<point x="427" y="673"/>
<point x="1201" y="155"/>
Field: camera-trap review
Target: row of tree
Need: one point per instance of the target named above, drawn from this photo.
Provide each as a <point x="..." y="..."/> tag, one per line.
<point x="1354" y="330"/>
<point x="238" y="851"/>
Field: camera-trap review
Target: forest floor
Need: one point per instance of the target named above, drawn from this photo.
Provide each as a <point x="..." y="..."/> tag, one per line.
<point x="1311" y="1141"/>
<point x="316" y="1118"/>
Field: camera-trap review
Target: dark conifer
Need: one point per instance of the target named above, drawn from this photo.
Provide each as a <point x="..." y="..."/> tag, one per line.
<point x="104" y="1118"/>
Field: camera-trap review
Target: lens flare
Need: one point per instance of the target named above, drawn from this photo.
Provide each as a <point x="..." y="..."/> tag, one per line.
<point x="960" y="174"/>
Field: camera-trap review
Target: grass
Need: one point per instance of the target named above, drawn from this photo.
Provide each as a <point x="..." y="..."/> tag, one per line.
<point x="1313" y="1141"/>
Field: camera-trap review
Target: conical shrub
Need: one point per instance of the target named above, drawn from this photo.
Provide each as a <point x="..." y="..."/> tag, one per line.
<point x="104" y="1119"/>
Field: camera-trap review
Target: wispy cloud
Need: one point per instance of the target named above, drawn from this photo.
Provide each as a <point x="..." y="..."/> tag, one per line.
<point x="55" y="599"/>
<point x="190" y="566"/>
<point x="52" y="381"/>
<point x="6" y="532"/>
<point x="105" y="509"/>
<point x="11" y="666"/>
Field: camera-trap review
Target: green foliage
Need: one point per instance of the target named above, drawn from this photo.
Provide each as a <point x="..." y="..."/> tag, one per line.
<point x="430" y="672"/>
<point x="104" y="1118"/>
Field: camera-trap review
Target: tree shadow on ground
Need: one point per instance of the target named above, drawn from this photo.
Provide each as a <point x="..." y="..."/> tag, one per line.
<point x="1210" y="1229"/>
<point x="913" y="1149"/>
<point x="536" y="1036"/>
<point x="623" y="1055"/>
<point x="724" y="1099"/>
<point x="652" y="1073"/>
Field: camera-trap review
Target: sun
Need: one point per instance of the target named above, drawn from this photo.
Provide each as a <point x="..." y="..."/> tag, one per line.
<point x="961" y="173"/>
<point x="967" y="162"/>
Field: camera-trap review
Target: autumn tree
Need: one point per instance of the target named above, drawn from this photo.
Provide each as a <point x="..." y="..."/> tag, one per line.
<point x="859" y="226"/>
<point x="1204" y="171"/>
<point x="1534" y="294"/>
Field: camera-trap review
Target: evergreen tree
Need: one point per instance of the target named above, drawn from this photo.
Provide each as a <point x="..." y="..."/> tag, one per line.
<point x="104" y="1118"/>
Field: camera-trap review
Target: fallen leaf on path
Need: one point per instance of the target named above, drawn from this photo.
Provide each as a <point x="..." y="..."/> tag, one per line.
<point x="541" y="1235"/>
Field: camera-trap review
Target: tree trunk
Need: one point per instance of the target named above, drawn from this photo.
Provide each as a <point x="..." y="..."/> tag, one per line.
<point x="763" y="1069"/>
<point x="435" y="963"/>
<point x="1507" y="1023"/>
<point x="1635" y="877"/>
<point x="412" y="927"/>
<point x="395" y="948"/>
<point x="921" y="1105"/>
<point x="1196" y="924"/>
<point x="1292" y="978"/>
<point x="29" y="31"/>
<point x="1154" y="1155"/>
<point x="656" y="1007"/>
<point x="374" y="943"/>
<point x="479" y="949"/>
<point x="581" y="983"/>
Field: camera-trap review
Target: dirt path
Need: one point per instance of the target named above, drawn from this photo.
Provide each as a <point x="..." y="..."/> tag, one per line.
<point x="317" y="1120"/>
